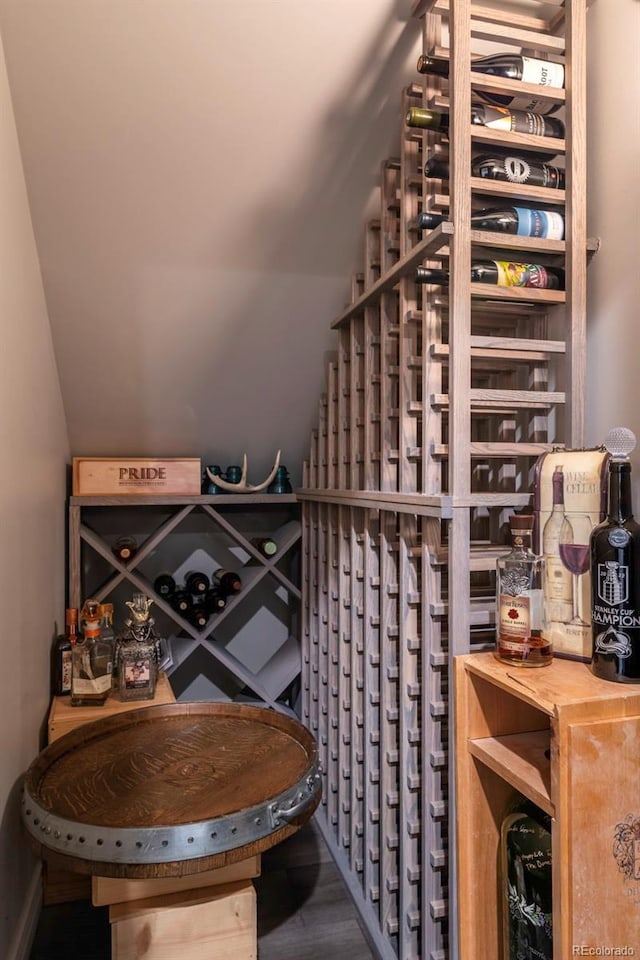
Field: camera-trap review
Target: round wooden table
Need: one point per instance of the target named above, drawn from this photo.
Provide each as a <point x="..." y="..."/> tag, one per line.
<point x="171" y="791"/>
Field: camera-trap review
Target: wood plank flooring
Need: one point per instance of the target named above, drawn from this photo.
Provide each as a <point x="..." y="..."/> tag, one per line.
<point x="304" y="912"/>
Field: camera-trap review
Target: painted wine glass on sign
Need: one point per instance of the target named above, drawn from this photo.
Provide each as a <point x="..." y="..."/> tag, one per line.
<point x="574" y="554"/>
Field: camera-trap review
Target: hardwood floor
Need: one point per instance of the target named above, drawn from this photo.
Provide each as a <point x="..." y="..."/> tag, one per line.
<point x="304" y="912"/>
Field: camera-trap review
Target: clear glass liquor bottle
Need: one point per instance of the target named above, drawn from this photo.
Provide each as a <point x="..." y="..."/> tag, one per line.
<point x="521" y="635"/>
<point x="92" y="663"/>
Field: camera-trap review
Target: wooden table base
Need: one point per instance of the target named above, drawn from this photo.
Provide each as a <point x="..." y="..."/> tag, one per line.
<point x="218" y="922"/>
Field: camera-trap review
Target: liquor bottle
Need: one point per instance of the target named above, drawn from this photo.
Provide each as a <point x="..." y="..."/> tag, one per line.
<point x="558" y="591"/>
<point x="501" y="273"/>
<point x="125" y="548"/>
<point x="484" y="115"/>
<point x="214" y="601"/>
<point x="92" y="661"/>
<point x="521" y="221"/>
<point x="63" y="655"/>
<point x="266" y="546"/>
<point x="164" y="585"/>
<point x="228" y="581"/>
<point x="181" y="601"/>
<point x="196" y="583"/>
<point x="509" y="168"/>
<point x="138" y="652"/>
<point x="106" y="624"/>
<point x="511" y="66"/>
<point x="521" y="637"/>
<point x="615" y="572"/>
<point x="525" y="878"/>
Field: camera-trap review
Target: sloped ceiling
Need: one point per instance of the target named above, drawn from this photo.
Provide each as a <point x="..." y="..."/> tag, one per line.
<point x="199" y="172"/>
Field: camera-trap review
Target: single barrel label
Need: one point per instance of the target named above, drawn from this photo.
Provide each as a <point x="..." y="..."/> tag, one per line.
<point x="515" y="617"/>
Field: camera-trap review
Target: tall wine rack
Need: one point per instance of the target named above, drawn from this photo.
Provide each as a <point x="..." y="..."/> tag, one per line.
<point x="437" y="404"/>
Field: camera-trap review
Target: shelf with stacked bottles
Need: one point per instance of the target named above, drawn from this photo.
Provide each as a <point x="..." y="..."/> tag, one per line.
<point x="438" y="401"/>
<point x="230" y="523"/>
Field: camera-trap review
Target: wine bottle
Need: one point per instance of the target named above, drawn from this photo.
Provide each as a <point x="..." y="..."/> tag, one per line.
<point x="521" y="637"/>
<point x="615" y="572"/>
<point x="525" y="878"/>
<point x="214" y="601"/>
<point x="497" y="118"/>
<point x="164" y="585"/>
<point x="509" y="168"/>
<point x="198" y="616"/>
<point x="511" y="66"/>
<point x="266" y="546"/>
<point x="228" y="581"/>
<point x="557" y="589"/>
<point x="501" y="273"/>
<point x="522" y="221"/>
<point x="125" y="548"/>
<point x="62" y="655"/>
<point x="196" y="582"/>
<point x="181" y="601"/>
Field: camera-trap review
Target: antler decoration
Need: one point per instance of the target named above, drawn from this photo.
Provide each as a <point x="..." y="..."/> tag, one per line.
<point x="243" y="486"/>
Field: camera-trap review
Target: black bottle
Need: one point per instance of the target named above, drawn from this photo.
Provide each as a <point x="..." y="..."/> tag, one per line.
<point x="501" y="273"/>
<point x="198" y="616"/>
<point x="228" y="581"/>
<point x="164" y="585"/>
<point x="214" y="601"/>
<point x="181" y="601"/>
<point x="62" y="655"/>
<point x="497" y="118"/>
<point x="196" y="583"/>
<point x="615" y="573"/>
<point x="522" y="221"/>
<point x="511" y="66"/>
<point x="508" y="169"/>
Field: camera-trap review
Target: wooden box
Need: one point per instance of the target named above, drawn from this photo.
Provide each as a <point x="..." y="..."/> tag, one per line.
<point x="63" y="717"/>
<point x="115" y="476"/>
<point x="108" y="890"/>
<point x="216" y="922"/>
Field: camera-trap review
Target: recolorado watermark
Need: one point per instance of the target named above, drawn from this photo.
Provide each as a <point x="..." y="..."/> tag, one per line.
<point x="603" y="951"/>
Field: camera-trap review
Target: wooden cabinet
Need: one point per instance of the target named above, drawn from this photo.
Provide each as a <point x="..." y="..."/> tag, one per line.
<point x="437" y="403"/>
<point x="250" y="649"/>
<point x="567" y="741"/>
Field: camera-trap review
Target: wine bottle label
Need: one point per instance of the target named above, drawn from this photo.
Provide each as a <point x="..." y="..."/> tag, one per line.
<point x="514" y="618"/>
<point x="66" y="661"/>
<point x="542" y="72"/>
<point x="540" y="223"/>
<point x="521" y="274"/>
<point x="517" y="121"/>
<point x="137" y="674"/>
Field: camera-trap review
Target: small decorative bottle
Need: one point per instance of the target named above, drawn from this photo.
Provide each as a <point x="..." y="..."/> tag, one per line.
<point x="521" y="637"/>
<point x="92" y="661"/>
<point x="138" y="652"/>
<point x="281" y="482"/>
<point x="525" y="874"/>
<point x="63" y="655"/>
<point x="209" y="487"/>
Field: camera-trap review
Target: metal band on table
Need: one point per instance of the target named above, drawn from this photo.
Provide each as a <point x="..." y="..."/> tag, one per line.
<point x="190" y="841"/>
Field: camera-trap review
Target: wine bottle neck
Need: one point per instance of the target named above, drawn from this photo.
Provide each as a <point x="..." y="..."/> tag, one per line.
<point x="620" y="508"/>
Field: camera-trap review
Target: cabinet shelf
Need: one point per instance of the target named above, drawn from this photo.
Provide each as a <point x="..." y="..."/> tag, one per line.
<point x="521" y="760"/>
<point x="225" y="523"/>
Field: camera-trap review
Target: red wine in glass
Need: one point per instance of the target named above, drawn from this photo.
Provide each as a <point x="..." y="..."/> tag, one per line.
<point x="573" y="548"/>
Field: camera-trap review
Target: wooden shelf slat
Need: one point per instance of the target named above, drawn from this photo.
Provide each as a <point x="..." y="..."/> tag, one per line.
<point x="520" y="760"/>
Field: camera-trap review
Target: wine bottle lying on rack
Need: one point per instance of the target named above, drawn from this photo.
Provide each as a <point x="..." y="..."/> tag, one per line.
<point x="510" y="168"/>
<point x="497" y="118"/>
<point x="227" y="581"/>
<point x="196" y="582"/>
<point x="165" y="585"/>
<point x="510" y="66"/>
<point x="214" y="600"/>
<point x="181" y="601"/>
<point x="501" y="273"/>
<point x="521" y="221"/>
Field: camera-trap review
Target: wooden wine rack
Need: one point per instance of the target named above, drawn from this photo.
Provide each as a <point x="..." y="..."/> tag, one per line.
<point x="438" y="402"/>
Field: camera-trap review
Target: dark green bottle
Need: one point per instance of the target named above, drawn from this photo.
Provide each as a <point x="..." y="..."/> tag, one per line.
<point x="525" y="877"/>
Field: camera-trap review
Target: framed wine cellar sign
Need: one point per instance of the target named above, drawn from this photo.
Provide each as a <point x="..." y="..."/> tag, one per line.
<point x="570" y="489"/>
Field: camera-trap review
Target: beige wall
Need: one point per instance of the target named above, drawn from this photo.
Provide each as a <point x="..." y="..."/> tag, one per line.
<point x="33" y="453"/>
<point x="613" y="95"/>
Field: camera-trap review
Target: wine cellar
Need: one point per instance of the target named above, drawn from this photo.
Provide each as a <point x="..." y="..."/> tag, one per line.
<point x="437" y="404"/>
